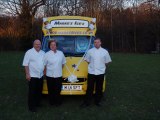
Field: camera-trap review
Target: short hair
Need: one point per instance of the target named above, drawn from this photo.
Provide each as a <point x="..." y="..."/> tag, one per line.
<point x="50" y="41"/>
<point x="35" y="40"/>
<point x="97" y="38"/>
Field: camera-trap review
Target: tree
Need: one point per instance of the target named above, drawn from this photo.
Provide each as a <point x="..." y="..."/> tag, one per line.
<point x="25" y="11"/>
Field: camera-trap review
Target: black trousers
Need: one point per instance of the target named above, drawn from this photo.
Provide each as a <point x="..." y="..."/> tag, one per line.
<point x="35" y="92"/>
<point x="94" y="81"/>
<point x="54" y="88"/>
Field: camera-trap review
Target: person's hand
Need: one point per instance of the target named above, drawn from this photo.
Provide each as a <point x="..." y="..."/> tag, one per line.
<point x="28" y="77"/>
<point x="44" y="72"/>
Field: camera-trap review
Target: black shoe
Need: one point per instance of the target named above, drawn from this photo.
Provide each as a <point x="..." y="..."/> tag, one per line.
<point x="52" y="104"/>
<point x="38" y="105"/>
<point x="58" y="104"/>
<point x="32" y="110"/>
<point x="98" y="104"/>
<point x="84" y="105"/>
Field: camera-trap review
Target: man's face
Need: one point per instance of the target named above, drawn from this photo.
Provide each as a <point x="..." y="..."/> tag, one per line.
<point x="37" y="45"/>
<point x="53" y="46"/>
<point x="97" y="43"/>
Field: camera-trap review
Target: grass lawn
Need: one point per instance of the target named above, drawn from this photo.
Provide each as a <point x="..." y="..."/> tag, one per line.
<point x="132" y="93"/>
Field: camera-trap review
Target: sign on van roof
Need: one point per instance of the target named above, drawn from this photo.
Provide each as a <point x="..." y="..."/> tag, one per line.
<point x="69" y="25"/>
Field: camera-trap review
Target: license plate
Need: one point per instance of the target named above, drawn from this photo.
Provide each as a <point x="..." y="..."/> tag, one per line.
<point x="71" y="87"/>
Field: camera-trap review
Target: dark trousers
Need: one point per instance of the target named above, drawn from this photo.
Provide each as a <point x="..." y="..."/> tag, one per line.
<point x="54" y="88"/>
<point x="94" y="81"/>
<point x="35" y="92"/>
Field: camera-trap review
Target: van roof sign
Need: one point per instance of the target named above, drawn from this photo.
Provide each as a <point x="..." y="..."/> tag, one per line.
<point x="69" y="25"/>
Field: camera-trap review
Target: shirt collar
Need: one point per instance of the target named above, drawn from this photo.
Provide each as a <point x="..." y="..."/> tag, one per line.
<point x="35" y="50"/>
<point x="98" y="48"/>
<point x="54" y="52"/>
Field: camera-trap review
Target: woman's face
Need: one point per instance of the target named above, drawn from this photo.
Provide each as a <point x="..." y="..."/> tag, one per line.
<point x="53" y="46"/>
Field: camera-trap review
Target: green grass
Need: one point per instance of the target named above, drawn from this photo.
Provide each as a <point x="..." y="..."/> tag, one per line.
<point x="133" y="92"/>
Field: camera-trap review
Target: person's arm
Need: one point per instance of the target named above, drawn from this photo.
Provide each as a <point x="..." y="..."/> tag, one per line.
<point x="63" y="65"/>
<point x="28" y="77"/>
<point x="63" y="61"/>
<point x="107" y="59"/>
<point x="44" y="72"/>
<point x="87" y="58"/>
<point x="45" y="64"/>
<point x="25" y="63"/>
<point x="107" y="63"/>
<point x="87" y="61"/>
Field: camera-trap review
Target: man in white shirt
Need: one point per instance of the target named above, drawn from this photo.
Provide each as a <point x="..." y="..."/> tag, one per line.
<point x="54" y="61"/>
<point x="34" y="67"/>
<point x="97" y="58"/>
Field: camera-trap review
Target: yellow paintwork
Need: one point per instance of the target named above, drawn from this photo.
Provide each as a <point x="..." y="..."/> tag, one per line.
<point x="81" y="72"/>
<point x="71" y="61"/>
<point x="69" y="30"/>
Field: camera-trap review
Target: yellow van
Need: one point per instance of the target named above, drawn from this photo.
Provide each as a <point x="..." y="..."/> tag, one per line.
<point x="75" y="35"/>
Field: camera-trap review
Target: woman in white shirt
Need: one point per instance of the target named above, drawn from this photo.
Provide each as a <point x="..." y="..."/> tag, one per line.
<point x="54" y="61"/>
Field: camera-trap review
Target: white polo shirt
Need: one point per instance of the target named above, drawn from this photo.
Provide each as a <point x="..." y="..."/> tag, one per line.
<point x="34" y="60"/>
<point x="53" y="62"/>
<point x="97" y="59"/>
